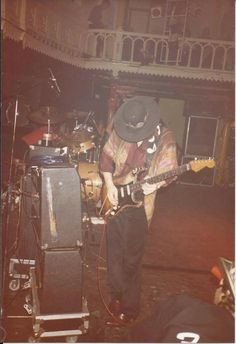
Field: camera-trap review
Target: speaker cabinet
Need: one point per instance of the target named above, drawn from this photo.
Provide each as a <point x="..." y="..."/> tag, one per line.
<point x="201" y="136"/>
<point x="60" y="210"/>
<point x="61" y="290"/>
<point x="200" y="143"/>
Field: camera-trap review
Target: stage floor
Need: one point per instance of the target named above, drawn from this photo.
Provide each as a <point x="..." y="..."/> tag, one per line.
<point x="192" y="227"/>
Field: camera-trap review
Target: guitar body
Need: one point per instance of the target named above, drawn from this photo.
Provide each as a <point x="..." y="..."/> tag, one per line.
<point x="125" y="198"/>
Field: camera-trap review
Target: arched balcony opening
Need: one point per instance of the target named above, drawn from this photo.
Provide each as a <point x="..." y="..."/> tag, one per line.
<point x="127" y="49"/>
<point x="230" y="59"/>
<point x="219" y="58"/>
<point x="207" y="56"/>
<point x="161" y="51"/>
<point x="109" y="46"/>
<point x="149" y="51"/>
<point x="138" y="50"/>
<point x="195" y="55"/>
<point x="185" y="55"/>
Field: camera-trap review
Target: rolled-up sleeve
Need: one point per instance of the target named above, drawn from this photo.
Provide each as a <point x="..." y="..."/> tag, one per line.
<point x="106" y="160"/>
<point x="106" y="163"/>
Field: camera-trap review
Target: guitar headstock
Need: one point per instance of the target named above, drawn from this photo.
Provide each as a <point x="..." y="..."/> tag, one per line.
<point x="197" y="165"/>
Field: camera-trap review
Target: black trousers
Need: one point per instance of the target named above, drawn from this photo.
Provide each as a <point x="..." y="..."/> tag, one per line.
<point x="126" y="238"/>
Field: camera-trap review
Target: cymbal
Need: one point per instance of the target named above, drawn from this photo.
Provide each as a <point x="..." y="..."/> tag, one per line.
<point x="78" y="137"/>
<point x="46" y="113"/>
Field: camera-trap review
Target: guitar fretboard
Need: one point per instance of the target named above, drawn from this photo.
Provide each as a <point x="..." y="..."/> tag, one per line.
<point x="159" y="178"/>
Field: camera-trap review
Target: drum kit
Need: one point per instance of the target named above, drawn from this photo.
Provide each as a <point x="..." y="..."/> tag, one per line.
<point x="82" y="143"/>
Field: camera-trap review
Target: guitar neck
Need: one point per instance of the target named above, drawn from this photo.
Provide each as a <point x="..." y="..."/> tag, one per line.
<point x="161" y="177"/>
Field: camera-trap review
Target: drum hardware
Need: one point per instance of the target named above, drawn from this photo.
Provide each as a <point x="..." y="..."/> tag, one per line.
<point x="91" y="155"/>
<point x="85" y="146"/>
<point x="91" y="181"/>
<point x="80" y="126"/>
<point x="76" y="114"/>
<point x="80" y="140"/>
<point x="84" y="132"/>
<point x="46" y="113"/>
<point x="47" y="140"/>
<point x="87" y="193"/>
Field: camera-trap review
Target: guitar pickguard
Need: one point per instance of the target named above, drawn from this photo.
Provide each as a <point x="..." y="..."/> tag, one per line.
<point x="124" y="197"/>
<point x="125" y="200"/>
<point x="137" y="196"/>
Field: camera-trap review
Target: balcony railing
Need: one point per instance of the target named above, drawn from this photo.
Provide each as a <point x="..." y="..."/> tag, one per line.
<point x="42" y="28"/>
<point x="202" y="55"/>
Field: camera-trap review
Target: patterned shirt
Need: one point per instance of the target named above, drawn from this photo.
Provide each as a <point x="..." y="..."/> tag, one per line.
<point x="120" y="157"/>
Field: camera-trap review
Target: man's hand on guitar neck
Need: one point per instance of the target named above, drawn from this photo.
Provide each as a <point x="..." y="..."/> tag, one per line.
<point x="150" y="188"/>
<point x="112" y="192"/>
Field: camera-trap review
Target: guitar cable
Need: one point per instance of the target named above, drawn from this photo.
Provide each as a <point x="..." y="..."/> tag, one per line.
<point x="102" y="206"/>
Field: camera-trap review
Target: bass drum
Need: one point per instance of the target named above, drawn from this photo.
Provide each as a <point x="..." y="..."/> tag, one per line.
<point x="91" y="182"/>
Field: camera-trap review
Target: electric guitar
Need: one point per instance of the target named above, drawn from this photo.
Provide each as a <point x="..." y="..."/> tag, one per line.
<point x="130" y="190"/>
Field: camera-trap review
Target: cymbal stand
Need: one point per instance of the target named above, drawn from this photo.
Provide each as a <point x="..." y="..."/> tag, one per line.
<point x="48" y="135"/>
<point x="48" y="126"/>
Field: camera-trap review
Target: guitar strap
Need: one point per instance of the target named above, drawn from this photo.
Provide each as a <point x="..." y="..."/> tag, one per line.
<point x="152" y="148"/>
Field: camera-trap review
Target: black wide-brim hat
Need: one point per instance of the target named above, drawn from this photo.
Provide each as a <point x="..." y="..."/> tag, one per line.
<point x="137" y="118"/>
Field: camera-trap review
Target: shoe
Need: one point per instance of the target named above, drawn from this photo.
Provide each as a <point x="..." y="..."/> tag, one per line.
<point x="120" y="320"/>
<point x="119" y="317"/>
<point x="126" y="319"/>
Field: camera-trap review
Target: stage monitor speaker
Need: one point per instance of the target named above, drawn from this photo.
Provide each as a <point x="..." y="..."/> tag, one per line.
<point x="60" y="213"/>
<point x="201" y="136"/>
<point x="61" y="290"/>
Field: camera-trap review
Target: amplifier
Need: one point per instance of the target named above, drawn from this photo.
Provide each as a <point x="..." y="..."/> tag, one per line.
<point x="36" y="150"/>
<point x="60" y="208"/>
<point x="61" y="290"/>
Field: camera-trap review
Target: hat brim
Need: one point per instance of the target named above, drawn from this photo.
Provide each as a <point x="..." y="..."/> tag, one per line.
<point x="130" y="134"/>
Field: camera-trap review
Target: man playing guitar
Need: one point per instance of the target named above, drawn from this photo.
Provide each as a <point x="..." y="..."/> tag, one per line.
<point x="141" y="147"/>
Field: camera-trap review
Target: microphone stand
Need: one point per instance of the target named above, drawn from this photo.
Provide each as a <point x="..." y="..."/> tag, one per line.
<point x="95" y="126"/>
<point x="53" y="83"/>
<point x="12" y="155"/>
<point x="88" y="117"/>
<point x="9" y="199"/>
